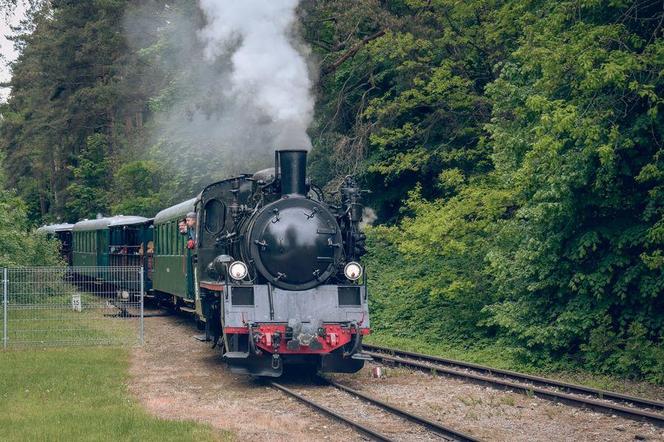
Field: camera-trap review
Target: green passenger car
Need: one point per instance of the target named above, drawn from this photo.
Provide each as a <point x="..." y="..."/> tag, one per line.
<point x="91" y="240"/>
<point x="132" y="245"/>
<point x="172" y="272"/>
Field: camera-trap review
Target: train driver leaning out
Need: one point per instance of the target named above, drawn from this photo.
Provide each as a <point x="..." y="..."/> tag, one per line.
<point x="191" y="229"/>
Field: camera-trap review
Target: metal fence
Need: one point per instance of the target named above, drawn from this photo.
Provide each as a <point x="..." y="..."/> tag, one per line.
<point x="68" y="306"/>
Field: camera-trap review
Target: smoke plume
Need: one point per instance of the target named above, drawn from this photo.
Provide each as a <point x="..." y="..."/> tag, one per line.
<point x="269" y="76"/>
<point x="227" y="82"/>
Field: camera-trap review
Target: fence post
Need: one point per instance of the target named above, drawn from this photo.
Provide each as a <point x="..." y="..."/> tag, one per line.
<point x="4" y="308"/>
<point x="142" y="330"/>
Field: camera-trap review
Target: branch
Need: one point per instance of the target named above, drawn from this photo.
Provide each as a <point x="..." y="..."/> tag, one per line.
<point x="352" y="51"/>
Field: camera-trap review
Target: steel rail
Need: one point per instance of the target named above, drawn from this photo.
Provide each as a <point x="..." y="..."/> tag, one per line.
<point x="544" y="382"/>
<point x="556" y="396"/>
<point x="428" y="423"/>
<point x="358" y="426"/>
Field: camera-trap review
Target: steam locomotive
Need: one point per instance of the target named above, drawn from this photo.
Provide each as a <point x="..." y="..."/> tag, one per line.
<point x="280" y="279"/>
<point x="273" y="273"/>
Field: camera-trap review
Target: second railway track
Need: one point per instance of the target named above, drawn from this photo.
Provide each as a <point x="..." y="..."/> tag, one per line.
<point x="430" y="429"/>
<point x="631" y="407"/>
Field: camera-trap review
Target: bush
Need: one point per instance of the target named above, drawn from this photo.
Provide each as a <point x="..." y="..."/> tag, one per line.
<point x="19" y="245"/>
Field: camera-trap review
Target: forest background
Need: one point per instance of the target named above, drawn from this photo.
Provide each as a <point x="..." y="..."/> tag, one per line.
<point x="513" y="150"/>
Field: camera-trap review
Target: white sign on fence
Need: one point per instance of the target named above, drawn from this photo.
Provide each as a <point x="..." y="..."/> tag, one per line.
<point x="76" y="302"/>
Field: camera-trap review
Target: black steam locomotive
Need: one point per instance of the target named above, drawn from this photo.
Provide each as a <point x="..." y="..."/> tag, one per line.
<point x="279" y="277"/>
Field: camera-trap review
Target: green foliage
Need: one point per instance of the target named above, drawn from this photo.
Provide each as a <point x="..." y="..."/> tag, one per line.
<point x="91" y="179"/>
<point x="574" y="126"/>
<point x="18" y="244"/>
<point x="139" y="183"/>
<point x="558" y="249"/>
<point x="410" y="103"/>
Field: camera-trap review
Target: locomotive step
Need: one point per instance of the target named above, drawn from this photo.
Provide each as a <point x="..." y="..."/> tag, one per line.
<point x="362" y="356"/>
<point x="187" y="309"/>
<point x="236" y="355"/>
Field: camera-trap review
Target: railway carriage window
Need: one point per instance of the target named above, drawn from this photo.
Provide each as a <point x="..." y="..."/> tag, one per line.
<point x="170" y="238"/>
<point x="167" y="236"/>
<point x="215" y="216"/>
<point x="177" y="240"/>
<point x="171" y="242"/>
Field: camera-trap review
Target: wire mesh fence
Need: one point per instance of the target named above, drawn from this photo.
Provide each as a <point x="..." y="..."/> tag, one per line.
<point x="68" y="306"/>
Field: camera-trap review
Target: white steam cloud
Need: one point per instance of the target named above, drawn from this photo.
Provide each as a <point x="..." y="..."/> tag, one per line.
<point x="269" y="75"/>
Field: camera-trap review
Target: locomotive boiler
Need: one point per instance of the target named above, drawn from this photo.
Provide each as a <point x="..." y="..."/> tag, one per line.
<point x="278" y="276"/>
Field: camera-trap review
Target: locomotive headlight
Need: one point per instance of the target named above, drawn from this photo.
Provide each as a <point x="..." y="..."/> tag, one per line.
<point x="353" y="271"/>
<point x="238" y="270"/>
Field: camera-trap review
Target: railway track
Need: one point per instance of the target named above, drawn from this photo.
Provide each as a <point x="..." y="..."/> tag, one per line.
<point x="437" y="430"/>
<point x="604" y="401"/>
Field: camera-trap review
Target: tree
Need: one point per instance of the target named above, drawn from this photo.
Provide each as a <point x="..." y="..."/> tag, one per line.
<point x="138" y="185"/>
<point x="88" y="192"/>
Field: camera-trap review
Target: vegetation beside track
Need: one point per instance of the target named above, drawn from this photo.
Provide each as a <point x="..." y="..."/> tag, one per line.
<point x="80" y="394"/>
<point x="504" y="357"/>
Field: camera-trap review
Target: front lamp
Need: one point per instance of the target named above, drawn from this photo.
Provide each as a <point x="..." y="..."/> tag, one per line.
<point x="353" y="271"/>
<point x="238" y="270"/>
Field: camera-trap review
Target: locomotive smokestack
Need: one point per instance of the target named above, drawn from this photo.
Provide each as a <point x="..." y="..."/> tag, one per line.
<point x="293" y="168"/>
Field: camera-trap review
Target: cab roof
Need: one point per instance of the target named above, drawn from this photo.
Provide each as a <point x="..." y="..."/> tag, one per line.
<point x="176" y="211"/>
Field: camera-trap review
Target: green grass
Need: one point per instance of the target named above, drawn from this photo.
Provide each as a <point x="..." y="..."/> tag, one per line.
<point x="507" y="358"/>
<point x="80" y="394"/>
<point x="65" y="326"/>
<point x="50" y="320"/>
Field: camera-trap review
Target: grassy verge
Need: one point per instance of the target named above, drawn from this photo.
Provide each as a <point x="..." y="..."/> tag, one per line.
<point x="80" y="394"/>
<point x="501" y="357"/>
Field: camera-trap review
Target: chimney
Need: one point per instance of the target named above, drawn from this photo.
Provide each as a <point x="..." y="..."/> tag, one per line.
<point x="293" y="168"/>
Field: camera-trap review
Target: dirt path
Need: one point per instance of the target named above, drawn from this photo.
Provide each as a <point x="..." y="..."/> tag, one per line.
<point x="177" y="377"/>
